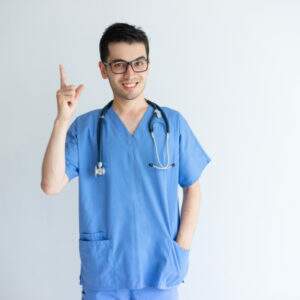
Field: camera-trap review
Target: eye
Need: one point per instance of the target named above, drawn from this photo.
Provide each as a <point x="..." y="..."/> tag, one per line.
<point x="118" y="65"/>
<point x="139" y="63"/>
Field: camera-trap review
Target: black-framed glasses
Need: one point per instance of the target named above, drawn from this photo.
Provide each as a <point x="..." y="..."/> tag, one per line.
<point x="120" y="66"/>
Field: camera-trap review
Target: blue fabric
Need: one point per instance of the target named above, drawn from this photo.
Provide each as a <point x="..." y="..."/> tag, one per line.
<point x="129" y="217"/>
<point x="71" y="152"/>
<point x="126" y="294"/>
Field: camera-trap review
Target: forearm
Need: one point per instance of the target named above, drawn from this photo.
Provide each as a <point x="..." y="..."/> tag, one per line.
<point x="189" y="215"/>
<point x="53" y="167"/>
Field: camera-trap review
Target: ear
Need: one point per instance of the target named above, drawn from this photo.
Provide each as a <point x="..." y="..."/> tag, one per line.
<point x="103" y="70"/>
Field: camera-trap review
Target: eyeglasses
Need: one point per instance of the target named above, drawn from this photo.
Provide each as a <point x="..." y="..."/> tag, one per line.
<point x="120" y="66"/>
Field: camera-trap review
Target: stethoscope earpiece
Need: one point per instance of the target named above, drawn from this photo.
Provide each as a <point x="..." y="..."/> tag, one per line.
<point x="100" y="170"/>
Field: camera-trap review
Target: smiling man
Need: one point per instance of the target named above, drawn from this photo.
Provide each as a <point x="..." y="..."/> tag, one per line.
<point x="130" y="156"/>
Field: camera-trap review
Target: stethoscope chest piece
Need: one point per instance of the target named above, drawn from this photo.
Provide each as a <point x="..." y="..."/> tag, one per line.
<point x="99" y="169"/>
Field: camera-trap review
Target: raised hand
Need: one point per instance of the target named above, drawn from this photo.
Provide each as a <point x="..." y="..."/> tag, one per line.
<point x="67" y="97"/>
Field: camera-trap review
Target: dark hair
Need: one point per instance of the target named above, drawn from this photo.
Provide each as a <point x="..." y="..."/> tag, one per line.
<point x="121" y="32"/>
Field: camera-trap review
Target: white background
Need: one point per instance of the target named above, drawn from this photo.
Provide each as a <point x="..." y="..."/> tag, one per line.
<point x="230" y="67"/>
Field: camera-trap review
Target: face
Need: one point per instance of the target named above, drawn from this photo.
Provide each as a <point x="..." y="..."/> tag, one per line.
<point x="127" y="52"/>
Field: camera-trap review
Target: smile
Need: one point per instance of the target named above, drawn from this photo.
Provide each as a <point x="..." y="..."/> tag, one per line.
<point x="129" y="86"/>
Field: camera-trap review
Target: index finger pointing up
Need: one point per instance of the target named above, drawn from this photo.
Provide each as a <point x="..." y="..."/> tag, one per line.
<point x="63" y="77"/>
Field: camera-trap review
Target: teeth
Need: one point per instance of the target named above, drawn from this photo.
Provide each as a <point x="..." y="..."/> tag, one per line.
<point x="130" y="84"/>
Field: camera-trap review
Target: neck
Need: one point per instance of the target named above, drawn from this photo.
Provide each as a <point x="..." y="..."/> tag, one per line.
<point x="129" y="106"/>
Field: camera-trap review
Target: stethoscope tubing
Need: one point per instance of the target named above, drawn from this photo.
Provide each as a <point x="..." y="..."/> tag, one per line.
<point x="158" y="112"/>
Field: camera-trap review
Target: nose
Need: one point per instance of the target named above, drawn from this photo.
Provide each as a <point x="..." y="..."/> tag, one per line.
<point x="129" y="70"/>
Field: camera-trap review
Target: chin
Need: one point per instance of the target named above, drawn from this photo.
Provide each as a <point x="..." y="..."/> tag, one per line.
<point x="130" y="97"/>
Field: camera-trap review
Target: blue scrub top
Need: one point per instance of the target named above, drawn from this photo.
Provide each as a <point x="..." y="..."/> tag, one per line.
<point x="130" y="216"/>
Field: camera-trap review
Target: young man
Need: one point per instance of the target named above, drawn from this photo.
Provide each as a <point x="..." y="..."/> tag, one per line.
<point x="133" y="242"/>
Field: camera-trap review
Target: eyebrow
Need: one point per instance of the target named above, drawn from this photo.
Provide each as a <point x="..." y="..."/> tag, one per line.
<point x="119" y="59"/>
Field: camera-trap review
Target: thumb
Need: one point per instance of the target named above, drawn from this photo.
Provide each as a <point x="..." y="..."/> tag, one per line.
<point x="78" y="90"/>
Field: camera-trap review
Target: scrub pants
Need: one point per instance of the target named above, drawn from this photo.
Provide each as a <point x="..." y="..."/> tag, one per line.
<point x="147" y="293"/>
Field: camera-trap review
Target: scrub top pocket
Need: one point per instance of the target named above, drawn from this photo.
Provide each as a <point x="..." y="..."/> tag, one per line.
<point x="181" y="258"/>
<point x="96" y="260"/>
<point x="176" y="266"/>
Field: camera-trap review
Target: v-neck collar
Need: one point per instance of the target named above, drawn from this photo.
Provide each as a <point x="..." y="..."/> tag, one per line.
<point x="121" y="126"/>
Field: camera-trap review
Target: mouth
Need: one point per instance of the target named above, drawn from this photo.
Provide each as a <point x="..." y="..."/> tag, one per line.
<point x="130" y="85"/>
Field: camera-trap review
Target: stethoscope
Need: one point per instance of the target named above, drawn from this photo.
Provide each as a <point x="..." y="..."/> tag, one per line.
<point x="158" y="112"/>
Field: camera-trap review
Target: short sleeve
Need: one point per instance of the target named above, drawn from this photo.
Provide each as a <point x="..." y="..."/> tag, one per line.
<point x="71" y="151"/>
<point x="192" y="157"/>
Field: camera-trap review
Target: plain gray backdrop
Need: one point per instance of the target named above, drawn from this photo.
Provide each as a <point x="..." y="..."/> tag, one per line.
<point x="230" y="67"/>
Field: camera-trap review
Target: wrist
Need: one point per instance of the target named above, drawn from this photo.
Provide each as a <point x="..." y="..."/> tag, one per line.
<point x="61" y="123"/>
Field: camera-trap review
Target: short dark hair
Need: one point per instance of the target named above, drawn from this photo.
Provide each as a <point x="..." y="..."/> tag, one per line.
<point x="121" y="32"/>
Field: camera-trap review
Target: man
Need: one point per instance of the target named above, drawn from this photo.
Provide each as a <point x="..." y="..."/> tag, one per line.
<point x="133" y="243"/>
